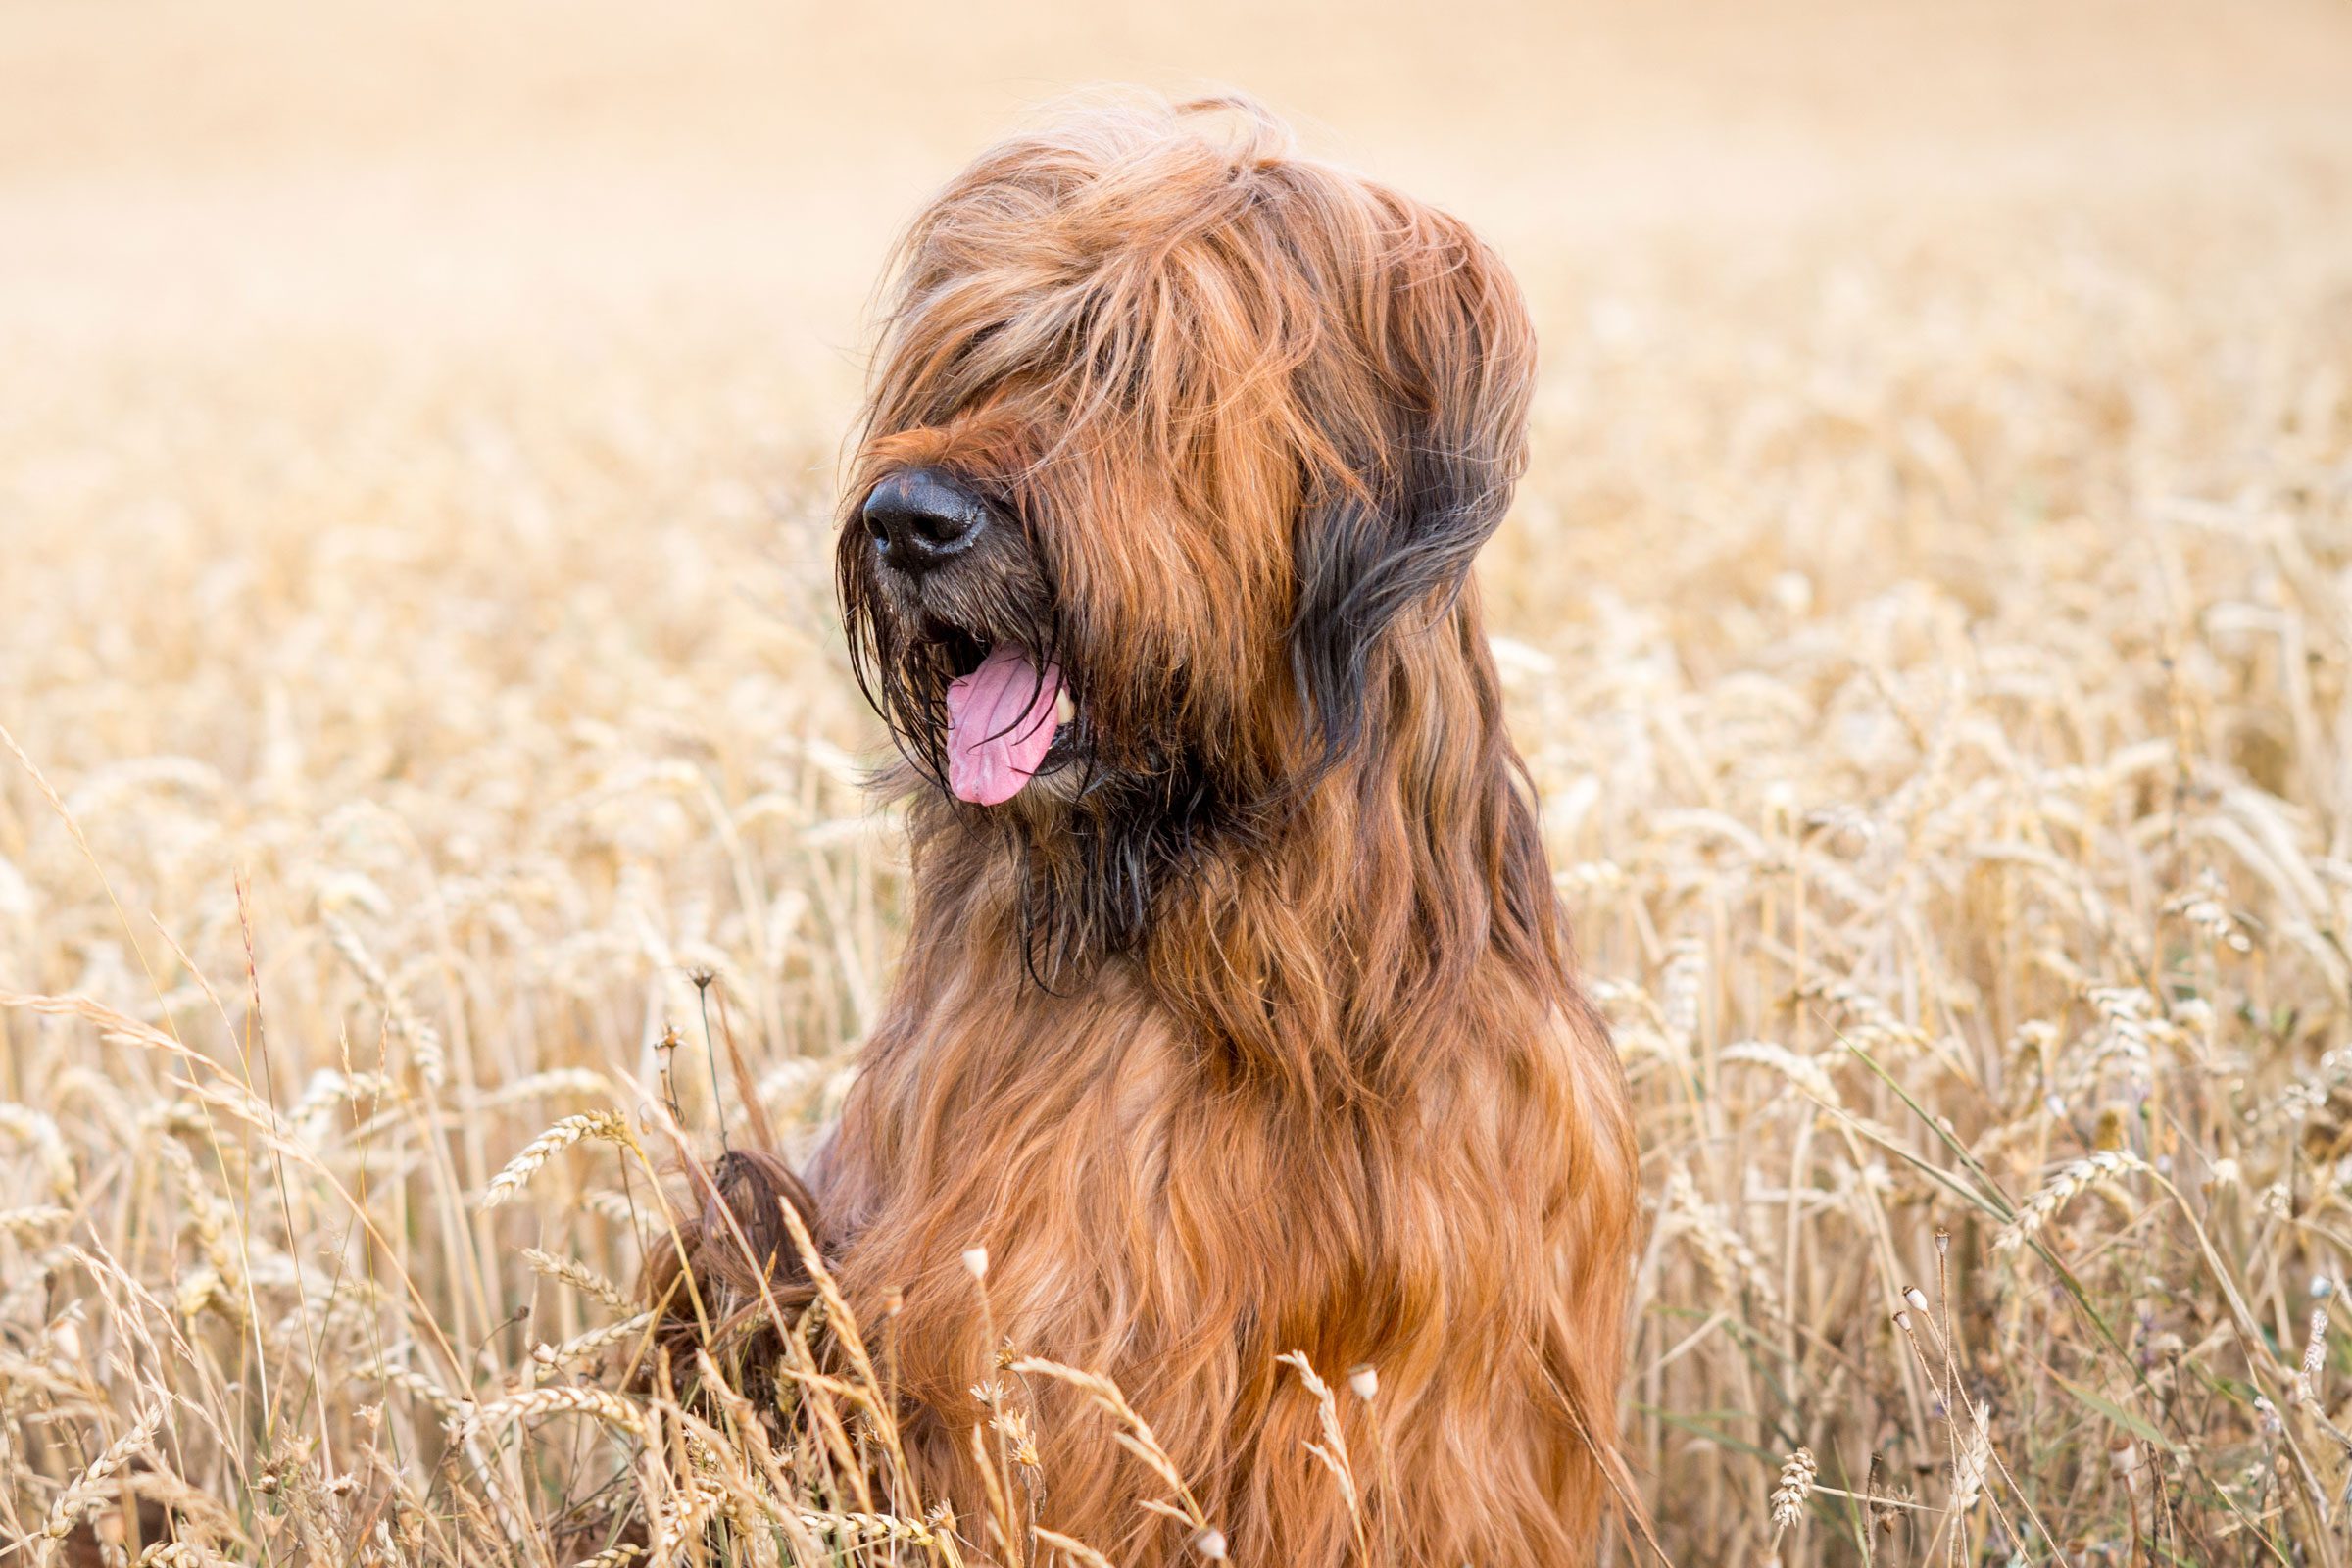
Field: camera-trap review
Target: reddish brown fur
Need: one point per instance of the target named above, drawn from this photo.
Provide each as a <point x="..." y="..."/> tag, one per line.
<point x="1275" y="1046"/>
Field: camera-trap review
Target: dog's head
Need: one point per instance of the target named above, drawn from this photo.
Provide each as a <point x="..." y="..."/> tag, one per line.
<point x="1173" y="437"/>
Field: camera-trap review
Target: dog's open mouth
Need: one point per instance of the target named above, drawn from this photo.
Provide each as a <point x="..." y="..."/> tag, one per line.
<point x="1004" y="719"/>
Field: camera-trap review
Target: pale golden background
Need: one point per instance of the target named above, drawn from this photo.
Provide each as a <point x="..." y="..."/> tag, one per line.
<point x="444" y="172"/>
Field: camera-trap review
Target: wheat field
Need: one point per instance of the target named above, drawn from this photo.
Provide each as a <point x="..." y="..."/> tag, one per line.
<point x="430" y="824"/>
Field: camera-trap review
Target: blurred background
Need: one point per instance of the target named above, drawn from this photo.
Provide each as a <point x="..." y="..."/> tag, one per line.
<point x="424" y="173"/>
<point x="1927" y="621"/>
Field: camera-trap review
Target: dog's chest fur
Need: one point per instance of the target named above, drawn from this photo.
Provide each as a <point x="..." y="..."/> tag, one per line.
<point x="1151" y="1217"/>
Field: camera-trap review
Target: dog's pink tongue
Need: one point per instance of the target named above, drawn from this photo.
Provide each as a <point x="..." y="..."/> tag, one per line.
<point x="1000" y="725"/>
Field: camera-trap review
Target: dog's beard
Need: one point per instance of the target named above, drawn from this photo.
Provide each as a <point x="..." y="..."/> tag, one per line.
<point x="970" y="674"/>
<point x="989" y="701"/>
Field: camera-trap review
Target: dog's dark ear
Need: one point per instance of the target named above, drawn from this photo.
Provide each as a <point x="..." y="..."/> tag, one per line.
<point x="1426" y="421"/>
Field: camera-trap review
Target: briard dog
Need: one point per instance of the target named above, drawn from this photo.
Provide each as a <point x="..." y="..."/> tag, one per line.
<point x="1237" y="1015"/>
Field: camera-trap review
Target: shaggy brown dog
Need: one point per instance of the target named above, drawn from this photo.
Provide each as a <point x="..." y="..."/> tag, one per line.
<point x="1237" y="1015"/>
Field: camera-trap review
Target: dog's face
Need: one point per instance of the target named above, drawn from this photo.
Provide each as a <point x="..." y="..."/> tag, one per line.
<point x="1172" y="436"/>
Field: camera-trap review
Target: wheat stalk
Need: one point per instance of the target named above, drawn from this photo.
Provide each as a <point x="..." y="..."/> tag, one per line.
<point x="1728" y="1255"/>
<point x="619" y="1556"/>
<point x="178" y="1554"/>
<point x="1138" y="1436"/>
<point x="87" y="1490"/>
<point x="580" y="1400"/>
<point x="579" y="1276"/>
<point x="39" y="1130"/>
<point x="1794" y="1487"/>
<point x="593" y="1343"/>
<point x="432" y="1056"/>
<point x="2074" y="1179"/>
<point x="32" y="1220"/>
<point x="605" y="1126"/>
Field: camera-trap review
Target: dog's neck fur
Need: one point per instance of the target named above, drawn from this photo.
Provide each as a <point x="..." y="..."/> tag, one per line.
<point x="1411" y="869"/>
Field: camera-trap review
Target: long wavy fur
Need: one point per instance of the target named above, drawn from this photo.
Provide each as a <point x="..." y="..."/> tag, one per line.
<point x="1258" y="1032"/>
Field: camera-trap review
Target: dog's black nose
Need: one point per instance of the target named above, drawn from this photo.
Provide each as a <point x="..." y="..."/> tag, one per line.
<point x="920" y="519"/>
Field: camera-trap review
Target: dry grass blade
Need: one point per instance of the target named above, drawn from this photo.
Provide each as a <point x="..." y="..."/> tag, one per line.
<point x="1078" y="1551"/>
<point x="1332" y="1451"/>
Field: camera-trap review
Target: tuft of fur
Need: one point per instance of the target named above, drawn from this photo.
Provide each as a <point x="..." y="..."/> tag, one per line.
<point x="727" y="1273"/>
